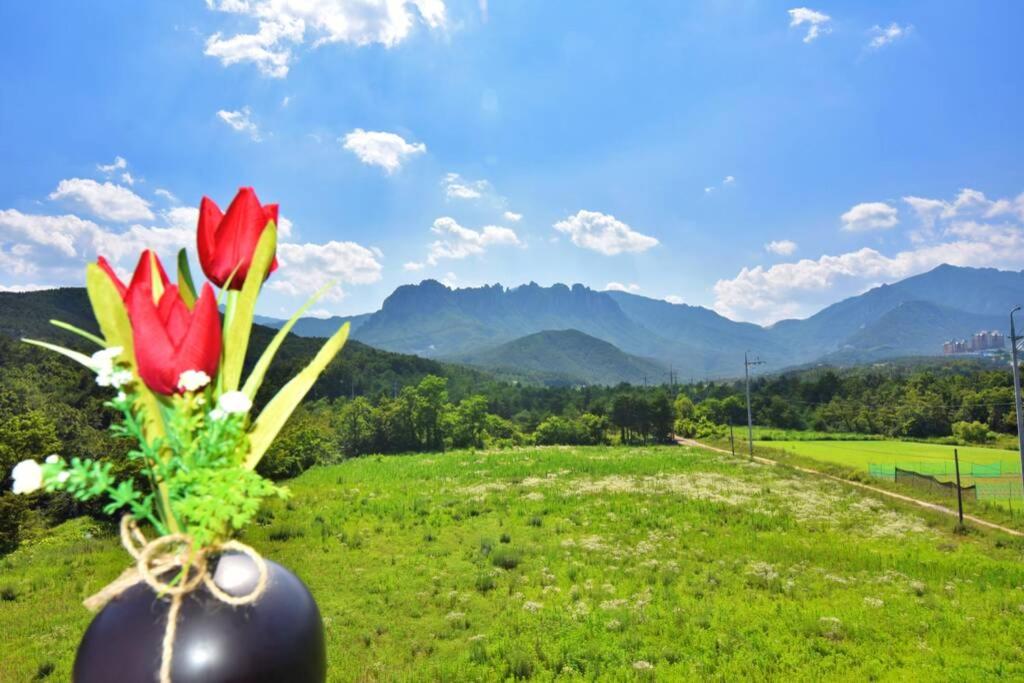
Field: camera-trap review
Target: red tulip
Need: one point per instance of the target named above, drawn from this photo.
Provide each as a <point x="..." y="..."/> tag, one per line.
<point x="141" y="278"/>
<point x="170" y="339"/>
<point x="227" y="241"/>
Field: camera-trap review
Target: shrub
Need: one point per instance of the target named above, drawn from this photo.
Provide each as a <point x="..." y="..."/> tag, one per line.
<point x="972" y="432"/>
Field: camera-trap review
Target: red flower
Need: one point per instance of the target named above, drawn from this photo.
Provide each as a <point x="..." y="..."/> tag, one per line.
<point x="227" y="240"/>
<point x="168" y="337"/>
<point x="141" y="278"/>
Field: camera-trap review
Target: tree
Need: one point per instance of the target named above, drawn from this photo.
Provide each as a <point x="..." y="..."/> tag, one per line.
<point x="429" y="402"/>
<point x="357" y="427"/>
<point x="468" y="422"/>
<point x="972" y="432"/>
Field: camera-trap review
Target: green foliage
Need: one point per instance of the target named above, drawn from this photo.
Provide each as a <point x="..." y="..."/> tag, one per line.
<point x="972" y="432"/>
<point x="586" y="430"/>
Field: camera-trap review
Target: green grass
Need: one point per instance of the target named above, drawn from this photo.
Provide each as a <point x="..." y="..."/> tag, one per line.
<point x="931" y="457"/>
<point x="775" y="434"/>
<point x="590" y="563"/>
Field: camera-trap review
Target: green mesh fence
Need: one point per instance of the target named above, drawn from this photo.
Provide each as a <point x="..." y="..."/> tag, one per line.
<point x="1001" y="490"/>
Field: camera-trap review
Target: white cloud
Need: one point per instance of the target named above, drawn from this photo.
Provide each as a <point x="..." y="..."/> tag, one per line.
<point x="285" y="23"/>
<point x="105" y="201"/>
<point x="379" y="148"/>
<point x="119" y="163"/>
<point x="166" y="194"/>
<point x="413" y="265"/>
<point x="726" y="181"/>
<point x="241" y="121"/>
<point x="457" y="187"/>
<point x="24" y="288"/>
<point x="674" y="299"/>
<point x="817" y="22"/>
<point x="870" y="216"/>
<point x="632" y="287"/>
<point x="781" y="247"/>
<point x="457" y="242"/>
<point x="127" y="177"/>
<point x="880" y="37"/>
<point x="604" y="233"/>
<point x="961" y="233"/>
<point x="450" y="280"/>
<point x="63" y="233"/>
<point x="305" y="268"/>
<point x="512" y="216"/>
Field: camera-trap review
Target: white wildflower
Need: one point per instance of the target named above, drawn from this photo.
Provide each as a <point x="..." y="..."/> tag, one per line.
<point x="52" y="459"/>
<point x="234" y="403"/>
<point x="531" y="606"/>
<point x="642" y="665"/>
<point x="28" y="477"/>
<point x="63" y="476"/>
<point x="120" y="377"/>
<point x="121" y="397"/>
<point x="105" y="358"/>
<point x="193" y="380"/>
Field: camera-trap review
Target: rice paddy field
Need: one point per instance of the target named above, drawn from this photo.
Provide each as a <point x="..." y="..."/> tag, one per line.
<point x="927" y="457"/>
<point x="599" y="563"/>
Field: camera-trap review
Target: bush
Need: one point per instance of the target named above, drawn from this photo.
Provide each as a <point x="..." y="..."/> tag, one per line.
<point x="586" y="430"/>
<point x="972" y="432"/>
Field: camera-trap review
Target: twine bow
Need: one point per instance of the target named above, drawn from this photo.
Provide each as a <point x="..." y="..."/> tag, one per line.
<point x="155" y="558"/>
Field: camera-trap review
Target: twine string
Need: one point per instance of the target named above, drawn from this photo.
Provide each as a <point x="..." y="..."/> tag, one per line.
<point x="155" y="558"/>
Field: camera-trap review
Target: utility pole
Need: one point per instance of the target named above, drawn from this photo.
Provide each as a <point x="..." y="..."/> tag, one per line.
<point x="750" y="416"/>
<point x="1014" y="339"/>
<point x="959" y="491"/>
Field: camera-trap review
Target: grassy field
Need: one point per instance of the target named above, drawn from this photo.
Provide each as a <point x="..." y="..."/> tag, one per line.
<point x="596" y="563"/>
<point x="890" y="452"/>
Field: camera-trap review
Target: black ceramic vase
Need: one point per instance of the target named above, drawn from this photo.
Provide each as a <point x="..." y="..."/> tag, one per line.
<point x="277" y="638"/>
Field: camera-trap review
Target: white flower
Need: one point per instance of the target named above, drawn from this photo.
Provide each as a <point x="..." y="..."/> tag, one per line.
<point x="234" y="403"/>
<point x="105" y="358"/>
<point x="28" y="477"/>
<point x="63" y="476"/>
<point x="121" y="397"/>
<point x="217" y="414"/>
<point x="52" y="459"/>
<point x="118" y="378"/>
<point x="193" y="380"/>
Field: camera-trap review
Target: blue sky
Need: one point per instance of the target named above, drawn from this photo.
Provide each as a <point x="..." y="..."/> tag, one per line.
<point x="763" y="159"/>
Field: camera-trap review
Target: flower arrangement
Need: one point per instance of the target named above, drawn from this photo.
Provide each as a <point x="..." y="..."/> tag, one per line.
<point x="175" y="366"/>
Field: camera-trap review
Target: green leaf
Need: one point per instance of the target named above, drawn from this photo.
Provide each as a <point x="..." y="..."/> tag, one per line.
<point x="255" y="379"/>
<point x="239" y="325"/>
<point x="280" y="408"/>
<point x="186" y="287"/>
<point x="112" y="317"/>
<point x="73" y="355"/>
<point x="80" y="332"/>
<point x="110" y="312"/>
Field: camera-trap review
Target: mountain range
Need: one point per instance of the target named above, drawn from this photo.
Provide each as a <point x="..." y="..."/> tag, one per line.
<point x="574" y="334"/>
<point x="495" y="327"/>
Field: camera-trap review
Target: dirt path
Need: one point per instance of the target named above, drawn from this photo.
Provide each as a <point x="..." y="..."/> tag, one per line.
<point x="867" y="487"/>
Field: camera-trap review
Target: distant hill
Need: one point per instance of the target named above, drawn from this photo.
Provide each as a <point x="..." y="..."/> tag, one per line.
<point x="565" y="357"/>
<point x="965" y="300"/>
<point x="317" y="327"/>
<point x="359" y="369"/>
